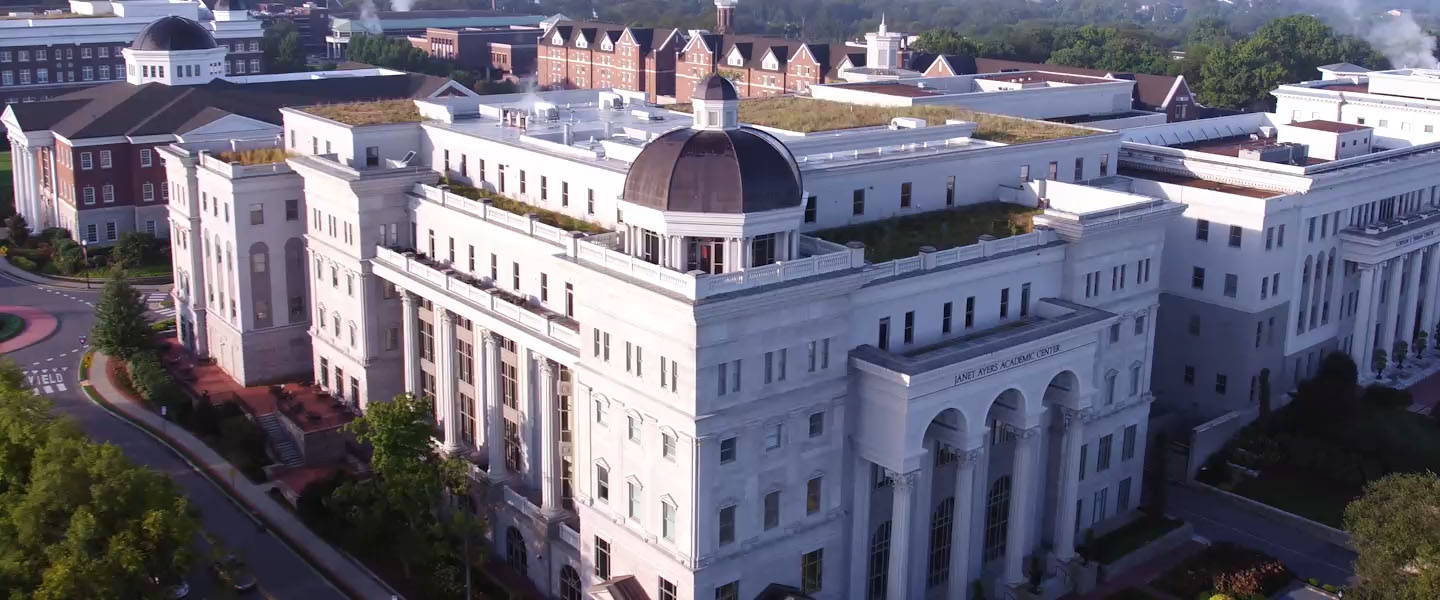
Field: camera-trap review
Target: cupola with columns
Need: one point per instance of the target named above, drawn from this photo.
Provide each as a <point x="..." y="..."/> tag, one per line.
<point x="715" y="197"/>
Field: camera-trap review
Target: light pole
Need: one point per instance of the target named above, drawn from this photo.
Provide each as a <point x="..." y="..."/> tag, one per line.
<point x="85" y="255"/>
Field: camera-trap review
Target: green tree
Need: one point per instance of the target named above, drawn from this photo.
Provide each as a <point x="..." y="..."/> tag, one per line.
<point x="132" y="249"/>
<point x="1401" y="350"/>
<point x="944" y="41"/>
<point x="78" y="519"/>
<point x="1110" y="49"/>
<point x="1285" y="50"/>
<point x="120" y="329"/>
<point x="18" y="228"/>
<point x="1396" y="529"/>
<point x="400" y="511"/>
<point x="283" y="48"/>
<point x="1380" y="361"/>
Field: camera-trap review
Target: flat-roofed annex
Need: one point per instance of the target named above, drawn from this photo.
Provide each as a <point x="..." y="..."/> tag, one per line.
<point x="1330" y="126"/>
<point x="808" y="115"/>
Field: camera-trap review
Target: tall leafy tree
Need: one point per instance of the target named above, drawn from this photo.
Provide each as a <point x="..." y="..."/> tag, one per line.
<point x="283" y="48"/>
<point x="120" y="329"/>
<point x="1285" y="50"/>
<point x="1396" y="529"/>
<point x="400" y="511"/>
<point x="78" y="519"/>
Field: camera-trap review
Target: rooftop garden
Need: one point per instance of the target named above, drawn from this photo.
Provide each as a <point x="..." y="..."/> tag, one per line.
<point x="808" y="115"/>
<point x="547" y="216"/>
<point x="254" y="156"/>
<point x="902" y="237"/>
<point x="373" y="112"/>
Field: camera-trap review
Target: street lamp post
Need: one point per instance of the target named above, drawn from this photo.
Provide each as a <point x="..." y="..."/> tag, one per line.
<point x="85" y="254"/>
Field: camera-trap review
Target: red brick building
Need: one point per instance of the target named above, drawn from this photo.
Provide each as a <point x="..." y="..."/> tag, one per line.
<point x="757" y="65"/>
<point x="499" y="52"/>
<point x="587" y="55"/>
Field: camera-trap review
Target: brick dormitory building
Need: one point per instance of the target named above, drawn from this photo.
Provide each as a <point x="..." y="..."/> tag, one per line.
<point x="86" y="160"/>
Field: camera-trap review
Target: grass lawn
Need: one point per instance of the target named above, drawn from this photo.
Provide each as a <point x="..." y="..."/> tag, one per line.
<point x="1116" y="544"/>
<point x="902" y="237"/>
<point x="1311" y="497"/>
<point x="103" y="273"/>
<point x="10" y="326"/>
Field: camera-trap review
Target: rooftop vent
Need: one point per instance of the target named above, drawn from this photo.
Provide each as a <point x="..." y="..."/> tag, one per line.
<point x="1285" y="154"/>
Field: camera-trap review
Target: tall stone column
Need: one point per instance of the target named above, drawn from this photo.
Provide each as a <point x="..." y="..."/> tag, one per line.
<point x="1064" y="536"/>
<point x="1432" y="290"/>
<point x="1412" y="299"/>
<point x="860" y="526"/>
<point x="1021" y="487"/>
<point x="494" y="410"/>
<point x="920" y="525"/>
<point x="1392" y="299"/>
<point x="549" y="444"/>
<point x="445" y="381"/>
<point x="1360" y="345"/>
<point x="903" y="489"/>
<point x="411" y="326"/>
<point x="960" y="534"/>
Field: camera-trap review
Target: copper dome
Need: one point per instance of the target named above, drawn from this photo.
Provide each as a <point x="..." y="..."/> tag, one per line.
<point x="739" y="170"/>
<point x="715" y="87"/>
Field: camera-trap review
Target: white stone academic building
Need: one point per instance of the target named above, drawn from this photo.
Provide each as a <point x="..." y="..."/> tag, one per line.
<point x="683" y="394"/>
<point x="676" y="382"/>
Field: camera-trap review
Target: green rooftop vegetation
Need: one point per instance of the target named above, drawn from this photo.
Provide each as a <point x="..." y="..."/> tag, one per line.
<point x="902" y="237"/>
<point x="547" y="216"/>
<point x="808" y="115"/>
<point x="255" y="156"/>
<point x="373" y="112"/>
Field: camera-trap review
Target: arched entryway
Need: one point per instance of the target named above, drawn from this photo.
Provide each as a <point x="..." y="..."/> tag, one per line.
<point x="569" y="583"/>
<point x="515" y="553"/>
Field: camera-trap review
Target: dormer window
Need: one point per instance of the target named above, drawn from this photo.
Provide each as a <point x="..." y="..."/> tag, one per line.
<point x="735" y="59"/>
<point x="557" y="40"/>
<point x="581" y="43"/>
<point x="770" y="63"/>
<point x="606" y="45"/>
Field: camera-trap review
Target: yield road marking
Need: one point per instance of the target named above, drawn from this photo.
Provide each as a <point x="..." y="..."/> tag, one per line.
<point x="46" y="381"/>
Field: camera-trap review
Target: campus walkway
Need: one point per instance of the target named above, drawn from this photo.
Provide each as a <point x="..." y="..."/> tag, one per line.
<point x="344" y="572"/>
<point x="38" y="326"/>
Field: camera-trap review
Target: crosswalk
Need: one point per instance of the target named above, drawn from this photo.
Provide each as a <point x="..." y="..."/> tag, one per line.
<point x="46" y="381"/>
<point x="154" y="301"/>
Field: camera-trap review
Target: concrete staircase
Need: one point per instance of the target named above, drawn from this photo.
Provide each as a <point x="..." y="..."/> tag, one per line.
<point x="280" y="440"/>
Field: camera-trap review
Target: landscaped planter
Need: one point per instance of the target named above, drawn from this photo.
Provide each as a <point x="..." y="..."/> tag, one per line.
<point x="1158" y="547"/>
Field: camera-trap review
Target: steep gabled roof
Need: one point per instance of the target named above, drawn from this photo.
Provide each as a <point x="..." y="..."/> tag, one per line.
<point x="124" y="109"/>
<point x="1152" y="92"/>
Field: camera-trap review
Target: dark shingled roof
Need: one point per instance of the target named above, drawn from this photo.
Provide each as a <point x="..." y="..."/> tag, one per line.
<point x="715" y="87"/>
<point x="708" y="171"/>
<point x="123" y="109"/>
<point x="173" y="33"/>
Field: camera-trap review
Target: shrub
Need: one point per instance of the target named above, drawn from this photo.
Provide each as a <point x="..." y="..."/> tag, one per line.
<point x="1226" y="568"/>
<point x="23" y="263"/>
<point x="55" y="233"/>
<point x="1381" y="396"/>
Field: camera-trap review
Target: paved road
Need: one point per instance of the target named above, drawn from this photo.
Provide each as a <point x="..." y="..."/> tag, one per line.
<point x="1307" y="555"/>
<point x="53" y="365"/>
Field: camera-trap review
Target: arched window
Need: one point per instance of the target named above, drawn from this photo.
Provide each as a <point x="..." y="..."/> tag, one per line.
<point x="942" y="524"/>
<point x="997" y="518"/>
<point x="879" y="561"/>
<point x="515" y="554"/>
<point x="569" y="583"/>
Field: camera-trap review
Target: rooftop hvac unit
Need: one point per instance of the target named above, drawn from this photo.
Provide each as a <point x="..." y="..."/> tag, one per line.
<point x="1285" y="154"/>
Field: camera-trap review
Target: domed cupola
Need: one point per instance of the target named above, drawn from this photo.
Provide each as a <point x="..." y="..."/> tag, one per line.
<point x="174" y="50"/>
<point x="735" y="192"/>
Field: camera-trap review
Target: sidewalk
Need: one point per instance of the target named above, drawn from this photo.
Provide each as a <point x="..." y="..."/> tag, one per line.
<point x="343" y="572"/>
<point x="15" y="272"/>
<point x="38" y="326"/>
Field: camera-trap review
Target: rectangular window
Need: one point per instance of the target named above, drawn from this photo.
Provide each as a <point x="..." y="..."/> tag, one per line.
<point x="1232" y="285"/>
<point x="1102" y="455"/>
<point x="857" y="206"/>
<point x="668" y="591"/>
<point x="1024" y="300"/>
<point x="1235" y="233"/>
<point x="1104" y="164"/>
<point x="817" y="424"/>
<point x="883" y="339"/>
<point x="1269" y="238"/>
<point x="1079" y="169"/>
<point x="950" y="191"/>
<point x="1024" y="173"/>
<point x="86" y="161"/>
<point x="602" y="559"/>
<point x="774" y="436"/>
<point x="944" y="326"/>
<point x="145" y="158"/>
<point x="1220" y="382"/>
<point x="726" y="522"/>
<point x="1127" y="446"/>
<point x="772" y="510"/>
<point x="812" y="495"/>
<point x="633" y="493"/>
<point x="910" y="327"/>
<point x="1197" y="278"/>
<point x="257" y="214"/>
<point x="1004" y="302"/>
<point x="1084" y="452"/>
<point x="812" y="573"/>
<point x="969" y="312"/>
<point x="905" y="195"/>
<point x="727" y="450"/>
<point x="1202" y="230"/>
<point x="1122" y="496"/>
<point x="1054" y="171"/>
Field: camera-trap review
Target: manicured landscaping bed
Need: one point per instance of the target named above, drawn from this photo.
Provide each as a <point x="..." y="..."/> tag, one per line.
<point x="903" y="237"/>
<point x="10" y="326"/>
<point x="1226" y="568"/>
<point x="1112" y="546"/>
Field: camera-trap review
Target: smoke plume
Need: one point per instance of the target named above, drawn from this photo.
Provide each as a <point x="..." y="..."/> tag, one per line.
<point x="368" y="18"/>
<point x="1401" y="40"/>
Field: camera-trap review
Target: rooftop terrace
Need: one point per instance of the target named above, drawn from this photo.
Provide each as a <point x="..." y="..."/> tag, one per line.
<point x="902" y="237"/>
<point x="255" y="156"/>
<point x="546" y="216"/>
<point x="374" y="112"/>
<point x="807" y="115"/>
